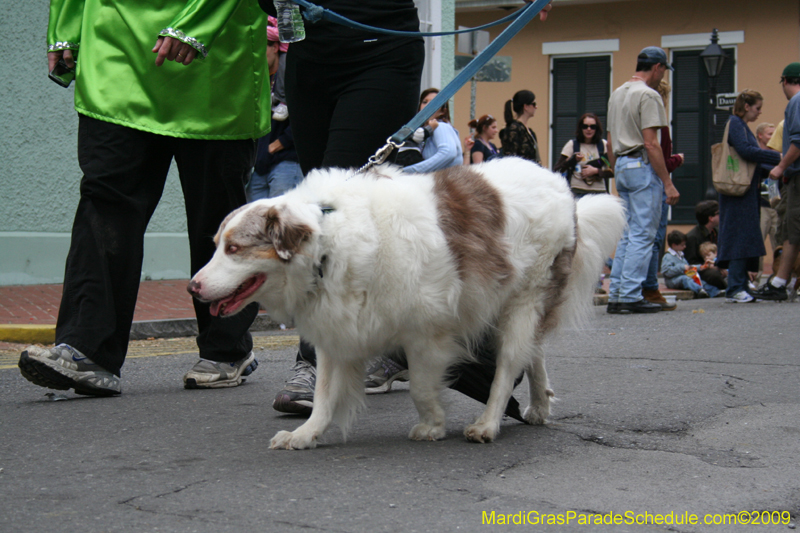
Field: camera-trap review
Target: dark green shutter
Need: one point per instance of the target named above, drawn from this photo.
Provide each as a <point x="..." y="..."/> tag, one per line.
<point x="580" y="85"/>
<point x="690" y="127"/>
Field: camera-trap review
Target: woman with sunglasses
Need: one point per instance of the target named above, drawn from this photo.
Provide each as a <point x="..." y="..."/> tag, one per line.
<point x="517" y="138"/>
<point x="485" y="130"/>
<point x="583" y="159"/>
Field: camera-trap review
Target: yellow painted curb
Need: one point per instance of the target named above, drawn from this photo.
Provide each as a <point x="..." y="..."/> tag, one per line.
<point x="28" y="333"/>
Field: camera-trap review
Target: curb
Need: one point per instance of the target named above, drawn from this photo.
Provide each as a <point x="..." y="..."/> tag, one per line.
<point x="602" y="299"/>
<point x="28" y="333"/>
<point x="141" y="330"/>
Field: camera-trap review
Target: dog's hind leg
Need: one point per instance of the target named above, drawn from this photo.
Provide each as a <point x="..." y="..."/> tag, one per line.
<point x="427" y="365"/>
<point x="540" y="392"/>
<point x="338" y="394"/>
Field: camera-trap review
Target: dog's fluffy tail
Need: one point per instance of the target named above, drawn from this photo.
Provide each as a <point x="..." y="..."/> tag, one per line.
<point x="600" y="222"/>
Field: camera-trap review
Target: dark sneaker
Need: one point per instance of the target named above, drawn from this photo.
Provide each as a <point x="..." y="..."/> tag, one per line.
<point x="615" y="308"/>
<point x="297" y="397"/>
<point x="382" y="373"/>
<point x="770" y="292"/>
<point x="63" y="367"/>
<point x="642" y="306"/>
<point x="207" y="374"/>
<point x="655" y="296"/>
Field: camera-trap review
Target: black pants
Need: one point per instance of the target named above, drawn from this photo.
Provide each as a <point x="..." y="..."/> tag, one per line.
<point x="342" y="113"/>
<point x="124" y="175"/>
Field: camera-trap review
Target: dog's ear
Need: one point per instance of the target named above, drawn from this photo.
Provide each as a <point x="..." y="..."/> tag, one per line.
<point x="286" y="235"/>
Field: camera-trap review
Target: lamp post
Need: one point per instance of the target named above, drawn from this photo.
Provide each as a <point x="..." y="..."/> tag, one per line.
<point x="713" y="59"/>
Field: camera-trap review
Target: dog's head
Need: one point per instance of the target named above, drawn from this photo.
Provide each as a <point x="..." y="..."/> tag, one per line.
<point x="256" y="245"/>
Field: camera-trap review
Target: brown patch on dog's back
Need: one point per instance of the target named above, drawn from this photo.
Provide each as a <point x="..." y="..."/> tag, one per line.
<point x="472" y="217"/>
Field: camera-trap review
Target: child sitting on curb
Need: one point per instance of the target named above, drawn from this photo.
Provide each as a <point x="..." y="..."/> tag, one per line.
<point x="678" y="273"/>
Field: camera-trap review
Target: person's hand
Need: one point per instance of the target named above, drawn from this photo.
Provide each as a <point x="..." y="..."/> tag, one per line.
<point x="545" y="10"/>
<point x="672" y="194"/>
<point x="682" y="158"/>
<point x="275" y="146"/>
<point x="579" y="157"/>
<point x="171" y="49"/>
<point x="469" y="142"/>
<point x="587" y="171"/>
<point x="776" y="173"/>
<point x="433" y="123"/>
<point x="53" y="57"/>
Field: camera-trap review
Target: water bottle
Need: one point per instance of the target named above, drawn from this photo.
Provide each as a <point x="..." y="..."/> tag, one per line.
<point x="290" y="21"/>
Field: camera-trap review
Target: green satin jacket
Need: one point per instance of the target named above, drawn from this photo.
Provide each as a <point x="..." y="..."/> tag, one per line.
<point x="223" y="94"/>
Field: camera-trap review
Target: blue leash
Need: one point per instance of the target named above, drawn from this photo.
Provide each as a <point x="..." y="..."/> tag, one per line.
<point x="522" y="17"/>
<point x="314" y="13"/>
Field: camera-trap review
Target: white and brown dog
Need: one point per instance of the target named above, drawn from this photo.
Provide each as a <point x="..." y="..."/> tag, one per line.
<point x="368" y="263"/>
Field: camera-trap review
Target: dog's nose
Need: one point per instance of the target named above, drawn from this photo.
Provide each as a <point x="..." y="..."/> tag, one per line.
<point x="193" y="287"/>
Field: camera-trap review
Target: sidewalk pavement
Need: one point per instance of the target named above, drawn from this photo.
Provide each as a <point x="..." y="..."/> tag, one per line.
<point x="163" y="309"/>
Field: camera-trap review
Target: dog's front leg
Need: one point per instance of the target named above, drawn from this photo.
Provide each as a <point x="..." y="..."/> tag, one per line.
<point x="427" y="364"/>
<point x="306" y="435"/>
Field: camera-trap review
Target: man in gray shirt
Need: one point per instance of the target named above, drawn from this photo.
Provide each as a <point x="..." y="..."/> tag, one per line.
<point x="635" y="115"/>
<point x="789" y="171"/>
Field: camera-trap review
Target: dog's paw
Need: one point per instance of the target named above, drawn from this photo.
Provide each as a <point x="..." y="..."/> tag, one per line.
<point x="426" y="432"/>
<point x="481" y="433"/>
<point x="536" y="415"/>
<point x="287" y="440"/>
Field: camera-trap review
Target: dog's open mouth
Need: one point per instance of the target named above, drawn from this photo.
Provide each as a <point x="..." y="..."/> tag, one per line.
<point x="230" y="304"/>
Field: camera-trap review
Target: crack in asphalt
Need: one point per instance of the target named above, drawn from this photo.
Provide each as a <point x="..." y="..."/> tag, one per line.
<point x="711" y="456"/>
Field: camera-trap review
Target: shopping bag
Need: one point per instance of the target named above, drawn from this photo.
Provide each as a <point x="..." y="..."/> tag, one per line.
<point x="731" y="175"/>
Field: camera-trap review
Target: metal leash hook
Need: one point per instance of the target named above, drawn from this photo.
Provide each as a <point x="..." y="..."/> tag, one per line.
<point x="379" y="157"/>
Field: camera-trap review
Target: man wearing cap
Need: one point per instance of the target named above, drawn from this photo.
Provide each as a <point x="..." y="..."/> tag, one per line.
<point x="635" y="115"/>
<point x="789" y="171"/>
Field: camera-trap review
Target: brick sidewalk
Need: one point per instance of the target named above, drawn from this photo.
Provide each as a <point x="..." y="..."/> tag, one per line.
<point x="38" y="304"/>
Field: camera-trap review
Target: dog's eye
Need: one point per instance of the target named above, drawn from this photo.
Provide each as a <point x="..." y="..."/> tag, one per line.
<point x="231" y="249"/>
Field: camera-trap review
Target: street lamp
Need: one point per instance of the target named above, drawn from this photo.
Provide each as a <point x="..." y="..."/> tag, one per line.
<point x="713" y="59"/>
<point x="713" y="56"/>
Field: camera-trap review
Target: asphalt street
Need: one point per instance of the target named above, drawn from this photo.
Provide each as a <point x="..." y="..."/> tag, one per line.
<point x="668" y="416"/>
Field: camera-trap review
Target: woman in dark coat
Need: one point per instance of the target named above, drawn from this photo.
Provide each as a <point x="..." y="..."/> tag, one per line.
<point x="740" y="241"/>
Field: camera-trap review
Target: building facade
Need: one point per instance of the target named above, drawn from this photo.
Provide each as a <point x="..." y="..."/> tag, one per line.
<point x="587" y="48"/>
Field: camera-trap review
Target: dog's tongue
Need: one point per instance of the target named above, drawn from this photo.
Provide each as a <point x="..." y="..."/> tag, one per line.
<point x="234" y="301"/>
<point x="215" y="308"/>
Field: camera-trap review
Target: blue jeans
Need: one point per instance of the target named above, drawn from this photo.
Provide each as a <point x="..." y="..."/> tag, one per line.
<point x="737" y="276"/>
<point x="686" y="283"/>
<point x="280" y="179"/>
<point x="651" y="281"/>
<point x="641" y="191"/>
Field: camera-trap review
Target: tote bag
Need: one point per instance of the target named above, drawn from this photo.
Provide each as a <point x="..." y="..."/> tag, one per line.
<point x="730" y="174"/>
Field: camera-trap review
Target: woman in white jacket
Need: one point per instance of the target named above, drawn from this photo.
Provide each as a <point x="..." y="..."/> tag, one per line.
<point x="443" y="149"/>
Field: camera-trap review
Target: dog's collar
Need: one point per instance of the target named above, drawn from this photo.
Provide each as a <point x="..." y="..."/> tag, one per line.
<point x="326" y="210"/>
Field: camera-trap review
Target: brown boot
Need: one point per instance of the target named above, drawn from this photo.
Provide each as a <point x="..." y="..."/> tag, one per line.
<point x="656" y="297"/>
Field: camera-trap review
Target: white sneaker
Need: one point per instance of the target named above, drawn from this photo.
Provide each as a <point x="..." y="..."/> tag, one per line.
<point x="740" y="297"/>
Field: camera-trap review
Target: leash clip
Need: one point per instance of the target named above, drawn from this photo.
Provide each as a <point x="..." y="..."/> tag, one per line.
<point x="379" y="157"/>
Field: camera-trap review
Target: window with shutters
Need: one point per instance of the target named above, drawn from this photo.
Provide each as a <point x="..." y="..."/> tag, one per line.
<point x="691" y="122"/>
<point x="580" y="85"/>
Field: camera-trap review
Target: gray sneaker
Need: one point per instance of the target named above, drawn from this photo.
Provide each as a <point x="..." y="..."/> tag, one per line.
<point x="297" y="397"/>
<point x="382" y="373"/>
<point x="63" y="367"/>
<point x="207" y="374"/>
